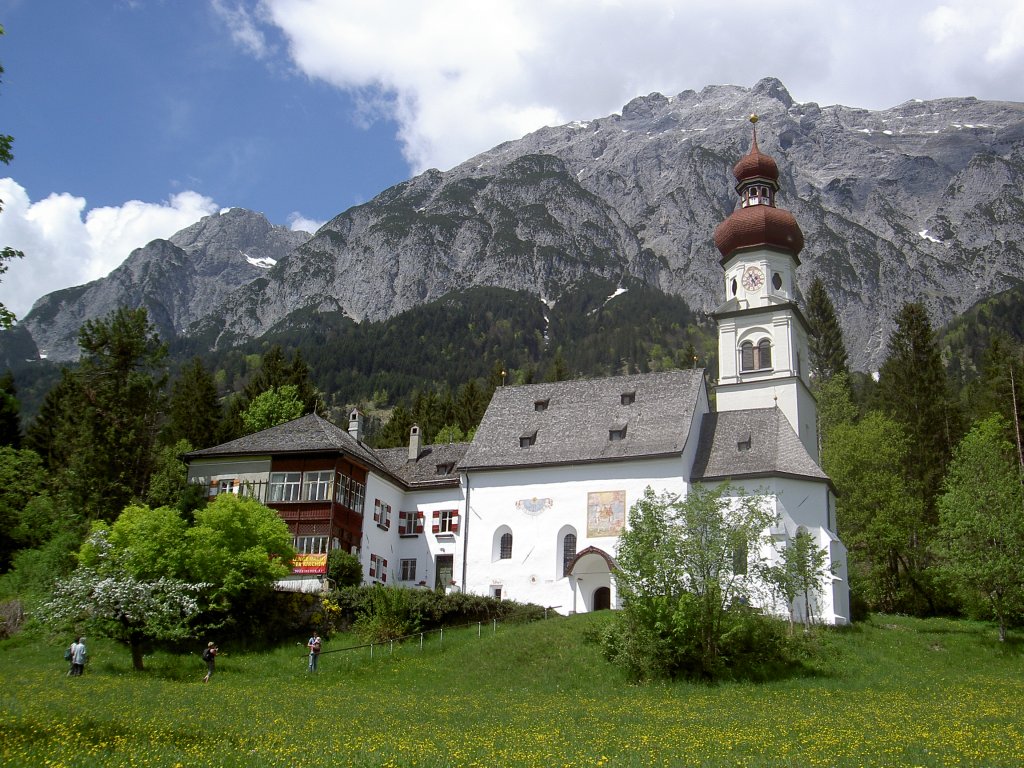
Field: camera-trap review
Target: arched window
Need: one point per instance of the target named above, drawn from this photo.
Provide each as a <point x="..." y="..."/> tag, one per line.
<point x="756" y="358"/>
<point x="747" y="356"/>
<point x="505" y="552"/>
<point x="568" y="551"/>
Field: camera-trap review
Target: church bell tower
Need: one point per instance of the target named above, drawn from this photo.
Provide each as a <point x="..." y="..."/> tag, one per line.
<point x="762" y="335"/>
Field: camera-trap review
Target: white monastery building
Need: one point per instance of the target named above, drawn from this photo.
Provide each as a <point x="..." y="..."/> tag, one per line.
<point x="532" y="508"/>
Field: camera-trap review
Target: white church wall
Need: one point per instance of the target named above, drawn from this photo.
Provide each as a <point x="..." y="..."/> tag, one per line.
<point x="539" y="506"/>
<point x="426" y="547"/>
<point x="802" y="504"/>
<point x="377" y="547"/>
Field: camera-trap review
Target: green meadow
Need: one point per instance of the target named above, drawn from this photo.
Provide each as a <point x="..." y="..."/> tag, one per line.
<point x="888" y="692"/>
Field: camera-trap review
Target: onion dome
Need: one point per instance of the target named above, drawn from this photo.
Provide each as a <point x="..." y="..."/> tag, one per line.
<point x="755" y="165"/>
<point x="757" y="222"/>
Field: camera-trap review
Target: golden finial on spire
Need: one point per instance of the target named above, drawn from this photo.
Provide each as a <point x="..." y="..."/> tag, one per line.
<point x="754" y="118"/>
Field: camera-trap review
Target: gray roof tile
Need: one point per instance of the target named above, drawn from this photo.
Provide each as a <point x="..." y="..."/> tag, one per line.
<point x="756" y="442"/>
<point x="306" y="434"/>
<point x="574" y="426"/>
<point x="423" y="472"/>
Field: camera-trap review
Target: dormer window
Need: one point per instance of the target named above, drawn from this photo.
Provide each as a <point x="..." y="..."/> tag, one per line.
<point x="445" y="469"/>
<point x="627" y="398"/>
<point x="757" y="358"/>
<point x="541" y="405"/>
<point x="527" y="439"/>
<point x="743" y="444"/>
<point x="617" y="433"/>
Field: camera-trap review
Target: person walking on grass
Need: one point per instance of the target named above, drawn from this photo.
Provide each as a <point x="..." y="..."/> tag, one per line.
<point x="78" y="657"/>
<point x="69" y="656"/>
<point x="314" y="652"/>
<point x="209" y="656"/>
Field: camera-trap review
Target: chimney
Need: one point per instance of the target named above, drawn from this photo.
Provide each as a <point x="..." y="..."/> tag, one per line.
<point x="414" y="442"/>
<point x="355" y="424"/>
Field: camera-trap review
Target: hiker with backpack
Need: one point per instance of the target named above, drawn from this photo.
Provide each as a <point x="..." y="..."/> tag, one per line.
<point x="209" y="655"/>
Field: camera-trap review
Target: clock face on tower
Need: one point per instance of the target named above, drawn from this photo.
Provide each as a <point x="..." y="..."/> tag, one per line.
<point x="753" y="278"/>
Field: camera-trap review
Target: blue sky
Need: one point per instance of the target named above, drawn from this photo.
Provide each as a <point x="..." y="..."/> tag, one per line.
<point x="134" y="118"/>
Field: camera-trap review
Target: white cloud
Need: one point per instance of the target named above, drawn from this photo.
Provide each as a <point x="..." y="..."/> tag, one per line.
<point x="299" y="223"/>
<point x="460" y="76"/>
<point x="67" y="245"/>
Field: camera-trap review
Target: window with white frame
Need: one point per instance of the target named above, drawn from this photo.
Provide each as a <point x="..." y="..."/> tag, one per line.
<point x="408" y="569"/>
<point x="410" y="523"/>
<point x="316" y="486"/>
<point x="218" y="487"/>
<point x="285" y="486"/>
<point x="755" y="358"/>
<point x="378" y="568"/>
<point x="382" y="514"/>
<point x="445" y="521"/>
<point x="310" y="545"/>
<point x="350" y="492"/>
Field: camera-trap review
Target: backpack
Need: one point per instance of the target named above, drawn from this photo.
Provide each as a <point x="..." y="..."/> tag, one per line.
<point x="67" y="654"/>
<point x="207" y="654"/>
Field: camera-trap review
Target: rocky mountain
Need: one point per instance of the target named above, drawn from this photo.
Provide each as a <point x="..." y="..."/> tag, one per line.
<point x="923" y="201"/>
<point x="180" y="280"/>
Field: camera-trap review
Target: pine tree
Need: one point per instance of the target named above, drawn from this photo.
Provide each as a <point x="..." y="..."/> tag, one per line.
<point x="828" y="352"/>
<point x="195" y="412"/>
<point x="110" y="420"/>
<point x="912" y="388"/>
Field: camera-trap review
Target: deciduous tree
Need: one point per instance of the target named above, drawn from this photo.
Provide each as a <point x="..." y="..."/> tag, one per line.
<point x="272" y="407"/>
<point x="981" y="519"/>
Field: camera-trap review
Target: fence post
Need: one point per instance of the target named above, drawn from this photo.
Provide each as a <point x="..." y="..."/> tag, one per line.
<point x="478" y="629"/>
<point x="494" y="626"/>
<point x="392" y="649"/>
<point x="371" y="650"/>
<point x="421" y="641"/>
<point x="442" y="635"/>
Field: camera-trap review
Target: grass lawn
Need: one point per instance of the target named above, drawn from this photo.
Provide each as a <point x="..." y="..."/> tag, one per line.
<point x="888" y="692"/>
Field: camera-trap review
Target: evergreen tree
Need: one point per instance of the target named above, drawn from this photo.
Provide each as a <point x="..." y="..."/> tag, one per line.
<point x="276" y="371"/>
<point x="828" y="352"/>
<point x="195" y="413"/>
<point x="913" y="390"/>
<point x="558" y="371"/>
<point x="10" y="408"/>
<point x="470" y="405"/>
<point x="44" y="433"/>
<point x="110" y="422"/>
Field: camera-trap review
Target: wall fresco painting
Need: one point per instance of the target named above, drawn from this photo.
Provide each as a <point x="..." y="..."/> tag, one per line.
<point x="606" y="513"/>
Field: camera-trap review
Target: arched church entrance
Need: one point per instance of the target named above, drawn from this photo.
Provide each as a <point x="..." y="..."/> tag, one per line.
<point x="590" y="574"/>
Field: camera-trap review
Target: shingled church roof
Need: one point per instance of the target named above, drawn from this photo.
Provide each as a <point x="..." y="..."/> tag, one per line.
<point x="586" y="420"/>
<point x="751" y="443"/>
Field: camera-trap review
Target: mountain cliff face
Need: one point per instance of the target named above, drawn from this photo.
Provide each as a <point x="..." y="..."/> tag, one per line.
<point x="179" y="281"/>
<point x="923" y="201"/>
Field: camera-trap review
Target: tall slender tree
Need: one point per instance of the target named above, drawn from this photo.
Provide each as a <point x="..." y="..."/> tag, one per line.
<point x="10" y="412"/>
<point x="913" y="390"/>
<point x="828" y="352"/>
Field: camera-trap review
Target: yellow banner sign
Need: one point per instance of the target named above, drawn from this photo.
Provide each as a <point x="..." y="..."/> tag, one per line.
<point x="309" y="564"/>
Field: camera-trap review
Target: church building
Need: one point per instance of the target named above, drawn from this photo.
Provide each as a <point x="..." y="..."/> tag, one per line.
<point x="532" y="508"/>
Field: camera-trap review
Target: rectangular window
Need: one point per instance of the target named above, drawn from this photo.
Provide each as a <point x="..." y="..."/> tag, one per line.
<point x="615" y="434"/>
<point x="350" y="492"/>
<point x="218" y="487"/>
<point x="445" y="521"/>
<point x="528" y="439"/>
<point x="739" y="559"/>
<point x="628" y="398"/>
<point x="285" y="486"/>
<point x="316" y="486"/>
<point x="382" y="514"/>
<point x="378" y="568"/>
<point x="310" y="545"/>
<point x="445" y="469"/>
<point x="410" y="523"/>
<point x="409" y="569"/>
<point x="540" y="405"/>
